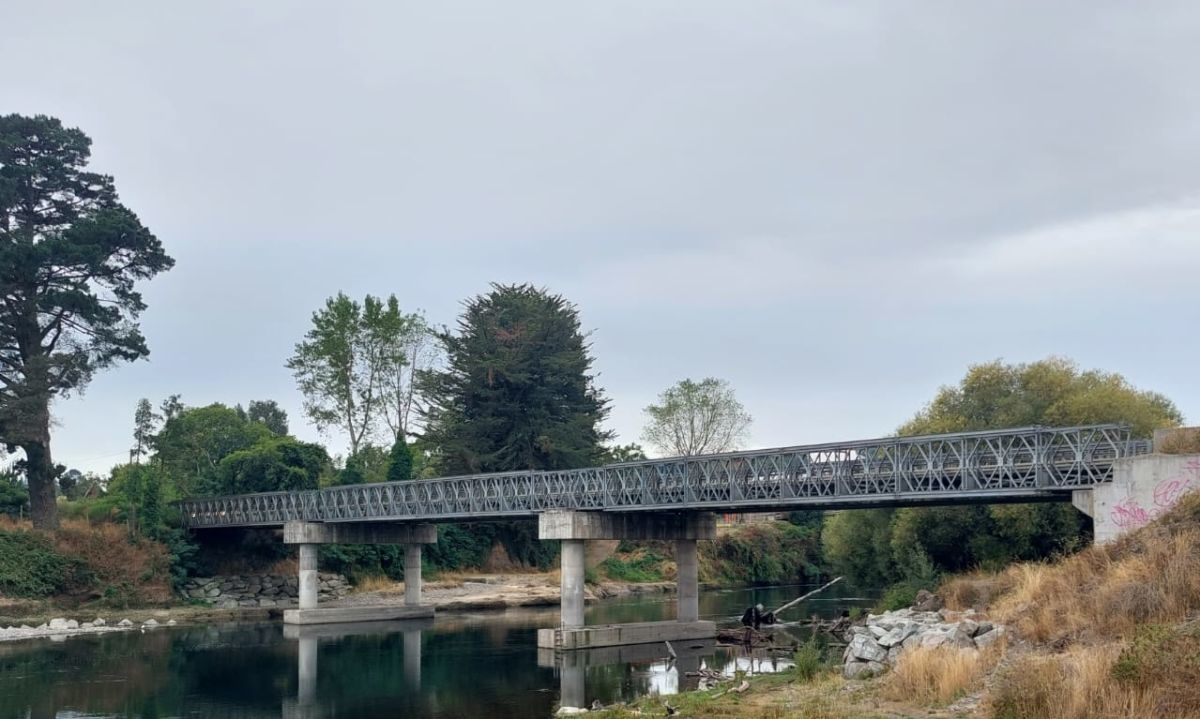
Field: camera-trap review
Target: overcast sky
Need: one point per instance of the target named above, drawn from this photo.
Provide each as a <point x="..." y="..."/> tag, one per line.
<point x="837" y="207"/>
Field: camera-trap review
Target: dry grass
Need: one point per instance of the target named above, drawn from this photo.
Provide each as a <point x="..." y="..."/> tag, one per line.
<point x="975" y="590"/>
<point x="1185" y="440"/>
<point x="1079" y="684"/>
<point x="930" y="676"/>
<point x="375" y="583"/>
<point x="1149" y="576"/>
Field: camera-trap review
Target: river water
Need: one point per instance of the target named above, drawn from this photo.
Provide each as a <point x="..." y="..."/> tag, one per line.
<point x="483" y="664"/>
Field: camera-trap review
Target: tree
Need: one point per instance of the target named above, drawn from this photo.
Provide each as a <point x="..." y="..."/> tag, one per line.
<point x="517" y="391"/>
<point x="405" y="346"/>
<point x="70" y="257"/>
<point x="192" y="444"/>
<point x="400" y="462"/>
<point x="618" y="453"/>
<point x="269" y="413"/>
<point x="274" y="464"/>
<point x="694" y="418"/>
<point x="357" y="364"/>
<point x="14" y="495"/>
<point x="1051" y="392"/>
<point x="171" y="407"/>
<point x="144" y="420"/>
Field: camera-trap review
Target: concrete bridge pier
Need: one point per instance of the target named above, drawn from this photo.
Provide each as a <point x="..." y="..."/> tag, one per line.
<point x="310" y="535"/>
<point x="574" y="528"/>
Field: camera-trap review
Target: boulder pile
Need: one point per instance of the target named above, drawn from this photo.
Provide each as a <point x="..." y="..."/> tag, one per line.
<point x="260" y="590"/>
<point x="876" y="646"/>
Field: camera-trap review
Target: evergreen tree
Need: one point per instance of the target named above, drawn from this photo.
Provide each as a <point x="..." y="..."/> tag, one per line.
<point x="518" y="390"/>
<point x="71" y="256"/>
<point x="517" y="393"/>
<point x="400" y="464"/>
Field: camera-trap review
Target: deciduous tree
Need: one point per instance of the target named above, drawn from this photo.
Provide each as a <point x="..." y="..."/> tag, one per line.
<point x="70" y="258"/>
<point x="694" y="418"/>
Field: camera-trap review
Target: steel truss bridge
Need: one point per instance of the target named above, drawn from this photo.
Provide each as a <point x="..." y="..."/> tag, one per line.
<point x="1012" y="465"/>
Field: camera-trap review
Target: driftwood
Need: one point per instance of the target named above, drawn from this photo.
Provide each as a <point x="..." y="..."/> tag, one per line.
<point x="802" y="597"/>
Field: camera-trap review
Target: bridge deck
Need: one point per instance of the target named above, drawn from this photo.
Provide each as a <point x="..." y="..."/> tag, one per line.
<point x="1025" y="464"/>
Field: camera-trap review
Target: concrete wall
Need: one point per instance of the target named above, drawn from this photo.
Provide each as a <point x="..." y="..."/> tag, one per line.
<point x="572" y="524"/>
<point x="1142" y="489"/>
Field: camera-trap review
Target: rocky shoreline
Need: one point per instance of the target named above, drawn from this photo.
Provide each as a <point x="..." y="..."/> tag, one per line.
<point x="60" y="628"/>
<point x="261" y="590"/>
<point x="875" y="647"/>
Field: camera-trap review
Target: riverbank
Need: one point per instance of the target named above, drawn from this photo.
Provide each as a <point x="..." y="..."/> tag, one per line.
<point x="1112" y="632"/>
<point x="449" y="593"/>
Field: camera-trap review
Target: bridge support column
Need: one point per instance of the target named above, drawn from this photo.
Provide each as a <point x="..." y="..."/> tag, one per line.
<point x="1142" y="489"/>
<point x="573" y="583"/>
<point x="574" y="529"/>
<point x="309" y="580"/>
<point x="412" y="575"/>
<point x="308" y="535"/>
<point x="687" y="578"/>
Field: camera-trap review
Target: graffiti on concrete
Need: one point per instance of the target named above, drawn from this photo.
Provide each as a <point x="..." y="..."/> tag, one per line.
<point x="1129" y="513"/>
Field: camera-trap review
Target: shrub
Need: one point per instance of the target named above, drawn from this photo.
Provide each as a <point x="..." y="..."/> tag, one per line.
<point x="809" y="660"/>
<point x="645" y="565"/>
<point x="897" y="596"/>
<point x="768" y="553"/>
<point x="30" y="566"/>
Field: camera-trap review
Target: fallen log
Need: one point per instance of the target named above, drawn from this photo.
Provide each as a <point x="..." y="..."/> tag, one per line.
<point x="802" y="597"/>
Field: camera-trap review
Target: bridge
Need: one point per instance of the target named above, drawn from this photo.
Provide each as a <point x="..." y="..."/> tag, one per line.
<point x="671" y="500"/>
<point x="1025" y="464"/>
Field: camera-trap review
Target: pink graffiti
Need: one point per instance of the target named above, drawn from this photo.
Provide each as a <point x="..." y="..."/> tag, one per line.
<point x="1129" y="514"/>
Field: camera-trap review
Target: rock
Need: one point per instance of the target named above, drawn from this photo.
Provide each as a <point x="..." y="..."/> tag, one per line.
<point x="570" y="711"/>
<point x="152" y="623"/>
<point x="877" y="631"/>
<point x="212" y="592"/>
<point x="72" y="624"/>
<point x="989" y="638"/>
<point x="98" y="621"/>
<point x="983" y="628"/>
<point x="970" y="626"/>
<point x="172" y="623"/>
<point x="927" y="602"/>
<point x="894" y="654"/>
<point x="196" y="593"/>
<point x="899" y="634"/>
<point x="865" y="649"/>
<point x="266" y="602"/>
<point x="862" y="670"/>
<point x="58" y="624"/>
<point x="124" y="623"/>
<point x="86" y="625"/>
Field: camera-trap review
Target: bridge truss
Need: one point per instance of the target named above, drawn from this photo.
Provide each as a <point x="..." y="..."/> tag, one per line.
<point x="1026" y="464"/>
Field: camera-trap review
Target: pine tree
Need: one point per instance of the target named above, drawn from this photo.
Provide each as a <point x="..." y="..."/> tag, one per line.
<point x="518" y="390"/>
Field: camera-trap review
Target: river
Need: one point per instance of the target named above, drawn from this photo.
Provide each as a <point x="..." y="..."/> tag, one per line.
<point x="483" y="664"/>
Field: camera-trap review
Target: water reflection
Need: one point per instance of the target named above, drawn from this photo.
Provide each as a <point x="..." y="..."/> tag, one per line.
<point x="461" y="665"/>
<point x="306" y="704"/>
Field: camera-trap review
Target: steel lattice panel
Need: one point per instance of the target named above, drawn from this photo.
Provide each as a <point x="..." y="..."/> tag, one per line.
<point x="1027" y="462"/>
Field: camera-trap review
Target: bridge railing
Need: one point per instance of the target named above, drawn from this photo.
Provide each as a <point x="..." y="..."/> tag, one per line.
<point x="1030" y="461"/>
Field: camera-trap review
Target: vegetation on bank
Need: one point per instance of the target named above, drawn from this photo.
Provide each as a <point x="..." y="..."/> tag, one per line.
<point x="82" y="563"/>
<point x="911" y="548"/>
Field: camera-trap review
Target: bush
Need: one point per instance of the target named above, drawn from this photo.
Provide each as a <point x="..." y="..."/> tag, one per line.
<point x="809" y="660"/>
<point x="768" y="553"/>
<point x="645" y="565"/>
<point x="897" y="596"/>
<point x="30" y="567"/>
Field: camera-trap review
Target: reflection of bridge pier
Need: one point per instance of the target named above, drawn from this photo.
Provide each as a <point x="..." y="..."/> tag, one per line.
<point x="308" y="535"/>
<point x="571" y="667"/>
<point x="575" y="528"/>
<point x="307" y="703"/>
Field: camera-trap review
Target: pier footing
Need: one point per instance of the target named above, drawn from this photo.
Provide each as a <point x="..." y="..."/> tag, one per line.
<point x="612" y="635"/>
<point x="334" y="615"/>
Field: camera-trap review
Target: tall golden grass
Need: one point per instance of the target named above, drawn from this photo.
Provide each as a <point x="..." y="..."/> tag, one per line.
<point x="1111" y="631"/>
<point x="936" y="675"/>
